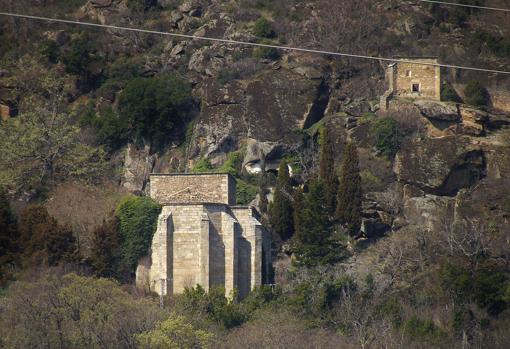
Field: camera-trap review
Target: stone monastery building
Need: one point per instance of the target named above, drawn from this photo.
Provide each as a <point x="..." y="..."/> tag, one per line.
<point x="203" y="238"/>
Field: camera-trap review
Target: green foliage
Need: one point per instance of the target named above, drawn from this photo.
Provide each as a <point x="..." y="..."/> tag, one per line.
<point x="263" y="28"/>
<point x="245" y="192"/>
<point x="476" y="94"/>
<point x="45" y="147"/>
<point x="313" y="242"/>
<point x="137" y="223"/>
<point x="73" y="312"/>
<point x="80" y="55"/>
<point x="224" y="311"/>
<point x="423" y="329"/>
<point x="327" y="172"/>
<point x="370" y="182"/>
<point x="49" y="50"/>
<point x="497" y="45"/>
<point x="174" y="333"/>
<point x="315" y="296"/>
<point x="387" y="136"/>
<point x="153" y="107"/>
<point x="9" y="239"/>
<point x="270" y="53"/>
<point x="202" y="166"/>
<point x="280" y="213"/>
<point x="349" y="198"/>
<point x="44" y="242"/>
<point x="448" y="93"/>
<point x="485" y="285"/>
<point x="140" y="5"/>
<point x="233" y="164"/>
<point x="227" y="75"/>
<point x="105" y="249"/>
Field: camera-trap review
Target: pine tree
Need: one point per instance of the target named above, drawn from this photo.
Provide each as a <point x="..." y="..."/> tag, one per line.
<point x="349" y="196"/>
<point x="327" y="171"/>
<point x="8" y="239"/>
<point x="105" y="251"/>
<point x="43" y="240"/>
<point x="313" y="243"/>
<point x="281" y="208"/>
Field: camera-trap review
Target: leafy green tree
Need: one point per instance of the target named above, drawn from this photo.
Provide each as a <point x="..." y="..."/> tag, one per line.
<point x="43" y="240"/>
<point x="44" y="145"/>
<point x="80" y="56"/>
<point x="313" y="242"/>
<point x="476" y="94"/>
<point x="349" y="196"/>
<point x="9" y="239"/>
<point x="264" y="52"/>
<point x="327" y="171"/>
<point x="74" y="312"/>
<point x="137" y="223"/>
<point x="263" y="28"/>
<point x="105" y="251"/>
<point x="153" y="107"/>
<point x="49" y="49"/>
<point x="387" y="136"/>
<point x="281" y="207"/>
<point x="175" y="333"/>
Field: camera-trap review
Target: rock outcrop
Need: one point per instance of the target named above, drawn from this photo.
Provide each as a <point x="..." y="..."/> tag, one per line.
<point x="440" y="166"/>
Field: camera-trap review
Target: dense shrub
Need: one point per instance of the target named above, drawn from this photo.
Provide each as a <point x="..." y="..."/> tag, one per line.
<point x="485" y="285"/>
<point x="386" y="134"/>
<point x="137" y="223"/>
<point x="73" y="312"/>
<point x="152" y="107"/>
<point x="44" y="242"/>
<point x="245" y="192"/>
<point x="141" y="5"/>
<point x="476" y="94"/>
<point x="79" y="56"/>
<point x="49" y="50"/>
<point x="448" y="93"/>
<point x="263" y="28"/>
<point x="8" y="239"/>
<point x="270" y="53"/>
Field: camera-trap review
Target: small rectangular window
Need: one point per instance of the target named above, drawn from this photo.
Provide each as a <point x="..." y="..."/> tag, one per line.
<point x="416" y="87"/>
<point x="408" y="73"/>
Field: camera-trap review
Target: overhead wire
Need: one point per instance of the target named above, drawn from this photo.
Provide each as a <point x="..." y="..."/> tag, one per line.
<point x="478" y="7"/>
<point x="253" y="44"/>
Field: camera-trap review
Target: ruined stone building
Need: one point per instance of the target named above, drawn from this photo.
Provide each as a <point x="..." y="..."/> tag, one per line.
<point x="413" y="80"/>
<point x="203" y="238"/>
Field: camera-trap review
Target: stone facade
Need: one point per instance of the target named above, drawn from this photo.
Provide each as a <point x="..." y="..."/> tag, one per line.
<point x="203" y="238"/>
<point x="413" y="80"/>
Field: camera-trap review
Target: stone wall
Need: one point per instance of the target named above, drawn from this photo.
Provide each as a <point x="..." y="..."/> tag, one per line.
<point x="193" y="188"/>
<point x="427" y="77"/>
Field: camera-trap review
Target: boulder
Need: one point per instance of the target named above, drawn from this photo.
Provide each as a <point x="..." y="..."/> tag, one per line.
<point x="440" y="166"/>
<point x="138" y="164"/>
<point x="262" y="156"/>
<point x="473" y="121"/>
<point x="268" y="108"/>
<point x="438" y="110"/>
<point x="429" y="212"/>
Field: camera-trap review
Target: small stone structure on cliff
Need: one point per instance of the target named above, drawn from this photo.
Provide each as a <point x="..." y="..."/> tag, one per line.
<point x="413" y="80"/>
<point x="203" y="238"/>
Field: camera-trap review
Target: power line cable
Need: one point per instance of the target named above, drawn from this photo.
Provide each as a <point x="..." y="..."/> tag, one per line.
<point x="479" y="7"/>
<point x="253" y="44"/>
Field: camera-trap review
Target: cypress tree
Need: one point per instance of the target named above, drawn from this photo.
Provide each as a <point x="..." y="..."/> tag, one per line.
<point x="8" y="239"/>
<point x="313" y="243"/>
<point x="349" y="196"/>
<point x="281" y="208"/>
<point x="327" y="171"/>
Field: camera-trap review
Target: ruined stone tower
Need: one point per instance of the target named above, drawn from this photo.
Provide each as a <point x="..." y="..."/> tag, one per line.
<point x="413" y="80"/>
<point x="203" y="237"/>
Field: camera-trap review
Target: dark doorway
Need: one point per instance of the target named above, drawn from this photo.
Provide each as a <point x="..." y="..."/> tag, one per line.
<point x="416" y="87"/>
